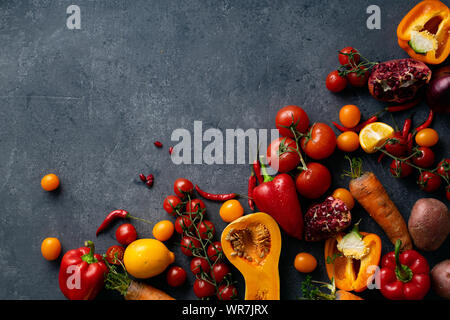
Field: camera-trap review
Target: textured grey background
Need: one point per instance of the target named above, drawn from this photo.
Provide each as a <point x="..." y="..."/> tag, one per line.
<point x="88" y="105"/>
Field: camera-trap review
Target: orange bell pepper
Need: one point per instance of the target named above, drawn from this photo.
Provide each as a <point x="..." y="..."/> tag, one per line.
<point x="424" y="33"/>
<point x="350" y="268"/>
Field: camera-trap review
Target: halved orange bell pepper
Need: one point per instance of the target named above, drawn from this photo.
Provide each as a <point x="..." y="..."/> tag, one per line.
<point x="352" y="268"/>
<point x="424" y="33"/>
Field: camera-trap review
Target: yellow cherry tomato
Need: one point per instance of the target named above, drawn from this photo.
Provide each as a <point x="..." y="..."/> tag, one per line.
<point x="50" y="248"/>
<point x="348" y="141"/>
<point x="345" y="196"/>
<point x="427" y="137"/>
<point x="163" y="230"/>
<point x="305" y="262"/>
<point x="50" y="182"/>
<point x="349" y="115"/>
<point x="231" y="210"/>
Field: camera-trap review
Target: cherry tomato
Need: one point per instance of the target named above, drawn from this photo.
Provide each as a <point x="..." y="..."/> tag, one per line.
<point x="206" y="229"/>
<point x="313" y="182"/>
<point x="219" y="271"/>
<point x="189" y="244"/>
<point x="291" y="116"/>
<point x="444" y="168"/>
<point x="199" y="265"/>
<point x="305" y="262"/>
<point x="348" y="141"/>
<point x="203" y="288"/>
<point x="114" y="254"/>
<point x="226" y="292"/>
<point x="345" y="196"/>
<point x="50" y="248"/>
<point x="427" y="137"/>
<point x="447" y="192"/>
<point x="183" y="224"/>
<point x="397" y="145"/>
<point x="231" y="210"/>
<point x="126" y="234"/>
<point x="345" y="60"/>
<point x="215" y="251"/>
<point x="424" y="158"/>
<point x="195" y="206"/>
<point x="183" y="187"/>
<point x="176" y="276"/>
<point x="171" y="204"/>
<point x="282" y="155"/>
<point x="400" y="169"/>
<point x="358" y="77"/>
<point x="320" y="141"/>
<point x="163" y="230"/>
<point x="334" y="82"/>
<point x="50" y="182"/>
<point x="429" y="181"/>
<point x="349" y="115"/>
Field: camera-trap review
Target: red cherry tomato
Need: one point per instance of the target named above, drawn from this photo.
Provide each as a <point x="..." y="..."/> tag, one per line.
<point x="126" y="234"/>
<point x="215" y="251"/>
<point x="199" y="265"/>
<point x="206" y="229"/>
<point x="334" y="82"/>
<point x="183" y="187"/>
<point x="227" y="292"/>
<point x="114" y="254"/>
<point x="219" y="271"/>
<point x="400" y="169"/>
<point x="447" y="192"/>
<point x="188" y="244"/>
<point x="424" y="158"/>
<point x="345" y="59"/>
<point x="170" y="204"/>
<point x="282" y="155"/>
<point x="195" y="206"/>
<point x="429" y="181"/>
<point x="314" y="182"/>
<point x="359" y="77"/>
<point x="183" y="224"/>
<point x="397" y="145"/>
<point x="176" y="276"/>
<point x="203" y="288"/>
<point x="320" y="141"/>
<point x="444" y="168"/>
<point x="291" y="116"/>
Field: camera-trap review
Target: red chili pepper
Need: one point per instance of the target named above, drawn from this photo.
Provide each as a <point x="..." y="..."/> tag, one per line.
<point x="170" y="150"/>
<point x="410" y="142"/>
<point x="406" y="127"/>
<point x="114" y="215"/>
<point x="404" y="276"/>
<point x="257" y="171"/>
<point x="251" y="186"/>
<point x="360" y="126"/>
<point x="215" y="197"/>
<point x="427" y="122"/>
<point x="158" y="144"/>
<point x="340" y="127"/>
<point x="380" y="157"/>
<point x="405" y="106"/>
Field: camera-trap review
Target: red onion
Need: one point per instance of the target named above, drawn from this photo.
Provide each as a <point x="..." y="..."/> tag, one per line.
<point x="438" y="91"/>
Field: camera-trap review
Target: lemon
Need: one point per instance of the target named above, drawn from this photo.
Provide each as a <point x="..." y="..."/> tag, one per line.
<point x="145" y="258"/>
<point x="374" y="135"/>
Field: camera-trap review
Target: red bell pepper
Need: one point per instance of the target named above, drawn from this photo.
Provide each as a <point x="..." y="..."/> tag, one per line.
<point x="277" y="196"/>
<point x="82" y="273"/>
<point x="404" y="276"/>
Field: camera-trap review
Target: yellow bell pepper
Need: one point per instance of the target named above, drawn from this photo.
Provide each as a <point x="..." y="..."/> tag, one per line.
<point x="424" y="33"/>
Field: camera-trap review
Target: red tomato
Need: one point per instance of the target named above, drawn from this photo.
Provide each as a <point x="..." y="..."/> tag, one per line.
<point x="282" y="155"/>
<point x="227" y="292"/>
<point x="397" y="145"/>
<point x="188" y="244"/>
<point x="215" y="251"/>
<point x="171" y="203"/>
<point x="126" y="234"/>
<point x="429" y="181"/>
<point x="400" y="169"/>
<point x="219" y="271"/>
<point x="203" y="288"/>
<point x="206" y="229"/>
<point x="183" y="224"/>
<point x="447" y="192"/>
<point x="114" y="254"/>
<point x="320" y="141"/>
<point x="424" y="158"/>
<point x="345" y="59"/>
<point x="334" y="82"/>
<point x="444" y="168"/>
<point x="176" y="276"/>
<point x="291" y="116"/>
<point x="358" y="78"/>
<point x="199" y="265"/>
<point x="313" y="182"/>
<point x="183" y="187"/>
<point x="195" y="206"/>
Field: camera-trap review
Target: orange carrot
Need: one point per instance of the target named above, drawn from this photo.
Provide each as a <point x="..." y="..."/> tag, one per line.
<point x="143" y="291"/>
<point x="370" y="193"/>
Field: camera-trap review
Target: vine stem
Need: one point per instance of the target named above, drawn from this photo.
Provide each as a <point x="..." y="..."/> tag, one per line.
<point x="296" y="138"/>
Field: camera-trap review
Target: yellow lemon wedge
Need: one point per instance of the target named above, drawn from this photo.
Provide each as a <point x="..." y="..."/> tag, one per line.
<point x="374" y="135"/>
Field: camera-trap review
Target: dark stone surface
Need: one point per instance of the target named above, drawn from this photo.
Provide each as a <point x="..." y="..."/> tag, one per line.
<point x="88" y="105"/>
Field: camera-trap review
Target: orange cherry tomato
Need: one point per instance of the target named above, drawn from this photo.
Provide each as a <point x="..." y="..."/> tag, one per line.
<point x="50" y="182"/>
<point x="349" y="115"/>
<point x="50" y="248"/>
<point x="427" y="137"/>
<point x="348" y="141"/>
<point x="345" y="196"/>
<point x="231" y="210"/>
<point x="305" y="262"/>
<point x="163" y="230"/>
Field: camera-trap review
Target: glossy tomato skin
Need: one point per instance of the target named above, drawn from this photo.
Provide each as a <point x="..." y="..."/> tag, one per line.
<point x="195" y="206"/>
<point x="429" y="181"/>
<point x="183" y="187"/>
<point x="320" y="142"/>
<point x="288" y="116"/>
<point x="203" y="288"/>
<point x="227" y="292"/>
<point x="358" y="78"/>
<point x="282" y="155"/>
<point x="170" y="204"/>
<point x="176" y="276"/>
<point x="183" y="224"/>
<point x="126" y="234"/>
<point x="444" y="168"/>
<point x="114" y="254"/>
<point x="206" y="229"/>
<point x="219" y="271"/>
<point x="199" y="265"/>
<point x="345" y="60"/>
<point x="215" y="251"/>
<point x="424" y="158"/>
<point x="400" y="169"/>
<point x="313" y="182"/>
<point x="188" y="245"/>
<point x="334" y="82"/>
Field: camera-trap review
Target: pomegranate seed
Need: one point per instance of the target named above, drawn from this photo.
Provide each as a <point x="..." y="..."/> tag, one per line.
<point x="142" y="177"/>
<point x="150" y="177"/>
<point x="158" y="144"/>
<point x="149" y="183"/>
<point x="170" y="150"/>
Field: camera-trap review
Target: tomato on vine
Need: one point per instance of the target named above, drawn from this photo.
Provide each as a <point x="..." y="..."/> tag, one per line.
<point x="429" y="181"/>
<point x="320" y="141"/>
<point x="114" y="254"/>
<point x="313" y="182"/>
<point x="206" y="229"/>
<point x="349" y="57"/>
<point x="199" y="265"/>
<point x="335" y="82"/>
<point x="183" y="224"/>
<point x="424" y="157"/>
<point x="203" y="288"/>
<point x="215" y="251"/>
<point x="188" y="244"/>
<point x="219" y="271"/>
<point x="227" y="292"/>
<point x="282" y="154"/>
<point x="183" y="187"/>
<point x="400" y="169"/>
<point x="291" y="116"/>
<point x="195" y="206"/>
<point x="170" y="204"/>
<point x="444" y="168"/>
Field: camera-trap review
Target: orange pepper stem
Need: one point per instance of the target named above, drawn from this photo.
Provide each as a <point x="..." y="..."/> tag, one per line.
<point x="403" y="273"/>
